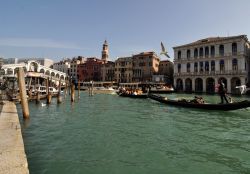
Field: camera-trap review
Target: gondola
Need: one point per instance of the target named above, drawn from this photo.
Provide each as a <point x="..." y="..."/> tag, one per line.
<point x="207" y="106"/>
<point x="133" y="96"/>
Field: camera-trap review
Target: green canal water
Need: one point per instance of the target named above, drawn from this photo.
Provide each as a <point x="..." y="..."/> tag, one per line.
<point x="115" y="135"/>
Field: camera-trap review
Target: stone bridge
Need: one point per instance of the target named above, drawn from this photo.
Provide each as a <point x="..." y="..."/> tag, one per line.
<point x="33" y="68"/>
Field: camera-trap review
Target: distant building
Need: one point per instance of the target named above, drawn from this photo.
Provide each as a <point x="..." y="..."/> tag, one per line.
<point x="74" y="65"/>
<point x="63" y="66"/>
<point x="1" y="62"/>
<point x="198" y="66"/>
<point x="145" y="65"/>
<point x="166" y="68"/>
<point x="108" y="71"/>
<point x="10" y="61"/>
<point x="124" y="69"/>
<point x="90" y="70"/>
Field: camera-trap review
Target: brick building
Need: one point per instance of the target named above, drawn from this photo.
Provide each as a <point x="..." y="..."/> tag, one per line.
<point x="145" y="65"/>
<point x="90" y="70"/>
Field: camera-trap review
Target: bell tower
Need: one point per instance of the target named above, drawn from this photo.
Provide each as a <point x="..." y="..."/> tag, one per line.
<point x="105" y="51"/>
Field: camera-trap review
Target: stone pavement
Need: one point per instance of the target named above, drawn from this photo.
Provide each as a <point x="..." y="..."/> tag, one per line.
<point x="12" y="154"/>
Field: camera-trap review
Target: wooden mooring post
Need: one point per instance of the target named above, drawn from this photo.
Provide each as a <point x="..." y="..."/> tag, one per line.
<point x="22" y="93"/>
<point x="59" y="98"/>
<point x="91" y="88"/>
<point x="48" y="92"/>
<point x="37" y="97"/>
<point x="72" y="92"/>
<point x="78" y="87"/>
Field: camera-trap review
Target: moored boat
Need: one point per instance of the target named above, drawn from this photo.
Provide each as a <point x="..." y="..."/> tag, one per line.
<point x="133" y="96"/>
<point x="207" y="106"/>
<point x="103" y="90"/>
<point x="162" y="89"/>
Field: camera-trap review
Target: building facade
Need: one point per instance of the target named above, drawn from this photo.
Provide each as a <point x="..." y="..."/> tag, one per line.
<point x="62" y="66"/>
<point x="108" y="71"/>
<point x="145" y="65"/>
<point x="199" y="66"/>
<point x="90" y="70"/>
<point x="166" y="68"/>
<point x="124" y="70"/>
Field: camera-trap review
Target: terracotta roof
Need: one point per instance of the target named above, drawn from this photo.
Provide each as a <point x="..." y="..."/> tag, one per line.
<point x="165" y="61"/>
<point x="144" y="53"/>
<point x="212" y="39"/>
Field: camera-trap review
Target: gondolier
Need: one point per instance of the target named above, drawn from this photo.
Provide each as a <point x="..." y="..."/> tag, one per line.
<point x="222" y="92"/>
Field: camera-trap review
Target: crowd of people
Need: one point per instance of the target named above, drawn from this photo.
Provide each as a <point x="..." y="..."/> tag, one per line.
<point x="130" y="91"/>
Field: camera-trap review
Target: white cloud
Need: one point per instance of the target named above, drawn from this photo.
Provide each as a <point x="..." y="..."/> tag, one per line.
<point x="37" y="42"/>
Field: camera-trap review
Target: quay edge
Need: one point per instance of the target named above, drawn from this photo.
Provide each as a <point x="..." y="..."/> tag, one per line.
<point x="12" y="154"/>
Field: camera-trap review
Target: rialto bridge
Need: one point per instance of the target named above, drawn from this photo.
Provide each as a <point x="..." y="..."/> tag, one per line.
<point x="33" y="69"/>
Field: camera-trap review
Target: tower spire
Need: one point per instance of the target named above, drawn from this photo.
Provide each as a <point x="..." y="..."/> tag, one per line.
<point x="105" y="51"/>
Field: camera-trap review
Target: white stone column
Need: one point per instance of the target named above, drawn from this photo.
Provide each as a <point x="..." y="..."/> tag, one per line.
<point x="193" y="84"/>
<point x="198" y="66"/>
<point x="184" y="84"/>
<point x="217" y="65"/>
<point x="203" y="84"/>
<point x="229" y="65"/>
<point x="175" y="82"/>
<point x="242" y="81"/>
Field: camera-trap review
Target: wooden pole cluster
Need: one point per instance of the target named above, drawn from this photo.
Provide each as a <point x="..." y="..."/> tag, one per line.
<point x="22" y="93"/>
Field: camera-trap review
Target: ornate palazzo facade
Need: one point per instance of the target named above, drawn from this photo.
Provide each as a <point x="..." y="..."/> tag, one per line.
<point x="199" y="66"/>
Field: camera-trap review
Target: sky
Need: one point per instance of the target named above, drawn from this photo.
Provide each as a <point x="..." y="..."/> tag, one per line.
<point x="58" y="29"/>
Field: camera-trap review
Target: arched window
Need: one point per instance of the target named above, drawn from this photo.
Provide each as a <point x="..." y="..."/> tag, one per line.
<point x="222" y="65"/>
<point x="212" y="65"/>
<point x="206" y="51"/>
<point x="201" y="66"/>
<point x="195" y="53"/>
<point x="179" y="68"/>
<point x="188" y="67"/>
<point x="2" y="72"/>
<point x="10" y="71"/>
<point x="179" y="55"/>
<point x="221" y="50"/>
<point x="212" y="51"/>
<point x="235" y="64"/>
<point x="195" y="67"/>
<point x="234" y="48"/>
<point x="201" y="52"/>
<point x="188" y="54"/>
<point x="42" y="71"/>
<point x="207" y="66"/>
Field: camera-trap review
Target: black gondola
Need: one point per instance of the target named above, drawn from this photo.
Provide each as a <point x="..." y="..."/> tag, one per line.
<point x="133" y="96"/>
<point x="208" y="106"/>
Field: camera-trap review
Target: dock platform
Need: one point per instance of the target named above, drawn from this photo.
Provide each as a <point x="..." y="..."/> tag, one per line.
<point x="12" y="154"/>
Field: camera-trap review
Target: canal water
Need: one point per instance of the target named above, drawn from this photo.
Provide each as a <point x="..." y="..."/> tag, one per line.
<point x="115" y="135"/>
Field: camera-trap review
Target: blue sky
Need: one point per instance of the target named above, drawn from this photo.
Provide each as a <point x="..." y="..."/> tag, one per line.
<point x="67" y="28"/>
